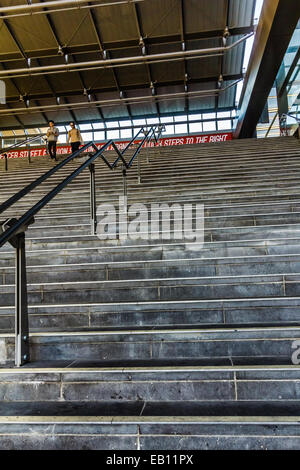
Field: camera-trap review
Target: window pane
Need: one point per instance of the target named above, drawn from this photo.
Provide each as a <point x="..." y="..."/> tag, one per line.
<point x="98" y="125"/>
<point x="209" y="116"/>
<point x="225" y="114"/>
<point x="167" y="119"/>
<point x="126" y="133"/>
<point x="181" y="129"/>
<point x="85" y="127"/>
<point x="153" y="121"/>
<point x="180" y="118"/>
<point x="136" y="130"/>
<point x="62" y="139"/>
<point x="125" y="123"/>
<point x="113" y="134"/>
<point x="209" y="126"/>
<point x="87" y="136"/>
<point x="224" y="125"/>
<point x="169" y="129"/>
<point x="139" y="122"/>
<point x="35" y="142"/>
<point x="195" y="127"/>
<point x="195" y="117"/>
<point x="112" y="124"/>
<point x="99" y="136"/>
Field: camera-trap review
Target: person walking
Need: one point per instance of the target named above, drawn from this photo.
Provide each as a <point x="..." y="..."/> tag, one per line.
<point x="52" y="136"/>
<point x="75" y="137"/>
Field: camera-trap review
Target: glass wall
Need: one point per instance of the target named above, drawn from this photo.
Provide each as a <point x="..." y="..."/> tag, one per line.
<point x="284" y="98"/>
<point x="184" y="124"/>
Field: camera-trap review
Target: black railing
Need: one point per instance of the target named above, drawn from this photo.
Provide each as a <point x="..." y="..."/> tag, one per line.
<point x="13" y="230"/>
<point x="24" y="143"/>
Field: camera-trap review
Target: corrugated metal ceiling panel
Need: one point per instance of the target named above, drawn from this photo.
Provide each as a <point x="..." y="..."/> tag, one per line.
<point x="116" y="23"/>
<point x="33" y="33"/>
<point x="240" y="13"/>
<point x="233" y="60"/>
<point x="227" y="98"/>
<point x="171" y="106"/>
<point x="203" y="102"/>
<point x="160" y="18"/>
<point x="73" y="27"/>
<point x="205" y="15"/>
<point x="148" y="107"/>
<point x="110" y="112"/>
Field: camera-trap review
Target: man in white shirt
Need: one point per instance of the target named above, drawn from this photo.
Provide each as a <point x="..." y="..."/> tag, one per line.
<point x="52" y="135"/>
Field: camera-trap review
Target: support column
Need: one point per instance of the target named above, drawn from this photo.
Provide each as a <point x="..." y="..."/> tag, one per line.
<point x="278" y="21"/>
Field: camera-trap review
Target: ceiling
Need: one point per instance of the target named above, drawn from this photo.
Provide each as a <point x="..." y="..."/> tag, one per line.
<point x="100" y="33"/>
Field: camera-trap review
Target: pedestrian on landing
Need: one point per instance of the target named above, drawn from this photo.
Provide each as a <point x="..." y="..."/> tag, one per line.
<point x="52" y="136"/>
<point x="75" y="137"/>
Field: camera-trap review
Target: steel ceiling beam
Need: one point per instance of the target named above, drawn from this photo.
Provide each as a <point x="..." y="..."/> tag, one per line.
<point x="278" y="21"/>
<point x="121" y="61"/>
<point x="183" y="45"/>
<point x="136" y="15"/>
<point x="102" y="50"/>
<point x="125" y="44"/>
<point x="30" y="9"/>
<point x="137" y="86"/>
<point x="112" y="102"/>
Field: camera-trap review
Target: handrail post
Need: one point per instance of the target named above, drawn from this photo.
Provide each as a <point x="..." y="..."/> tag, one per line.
<point x="93" y="199"/>
<point x="139" y="169"/>
<point x="22" y="353"/>
<point x="124" y="173"/>
<point x="6" y="163"/>
<point x="28" y="150"/>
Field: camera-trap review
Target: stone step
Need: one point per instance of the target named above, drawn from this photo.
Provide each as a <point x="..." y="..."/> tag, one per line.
<point x="126" y="430"/>
<point x="229" y="386"/>
<point x="222" y="234"/>
<point x="210" y="222"/>
<point x="207" y="201"/>
<point x="257" y="345"/>
<point x="253" y="311"/>
<point x="155" y="290"/>
<point x="177" y="158"/>
<point x="275" y="311"/>
<point x="233" y="210"/>
<point x="165" y="251"/>
<point x="194" y="177"/>
<point x="255" y="172"/>
<point x="156" y="269"/>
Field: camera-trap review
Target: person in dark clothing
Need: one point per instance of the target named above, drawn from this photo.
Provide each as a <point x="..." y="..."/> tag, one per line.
<point x="52" y="135"/>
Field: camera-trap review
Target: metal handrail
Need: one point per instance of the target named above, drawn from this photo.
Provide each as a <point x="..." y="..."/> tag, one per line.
<point x="16" y="197"/>
<point x="284" y="116"/>
<point x="12" y="200"/>
<point x="13" y="230"/>
<point x="20" y="144"/>
<point x="26" y="142"/>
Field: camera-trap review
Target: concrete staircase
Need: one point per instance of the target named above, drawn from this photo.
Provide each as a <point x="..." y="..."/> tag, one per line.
<point x="160" y="344"/>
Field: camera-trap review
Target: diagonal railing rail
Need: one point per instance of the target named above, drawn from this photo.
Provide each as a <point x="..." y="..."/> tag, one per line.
<point x="13" y="230"/>
<point x="24" y="143"/>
